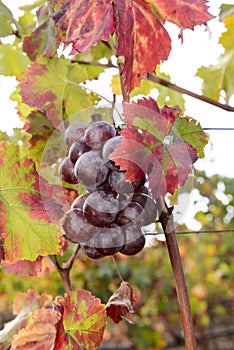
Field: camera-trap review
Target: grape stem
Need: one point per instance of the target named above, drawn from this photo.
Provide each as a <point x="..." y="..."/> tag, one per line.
<point x="167" y="222"/>
<point x="117" y="268"/>
<point x="65" y="269"/>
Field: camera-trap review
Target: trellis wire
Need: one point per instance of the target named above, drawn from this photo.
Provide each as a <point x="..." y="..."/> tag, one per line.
<point x="189" y="232"/>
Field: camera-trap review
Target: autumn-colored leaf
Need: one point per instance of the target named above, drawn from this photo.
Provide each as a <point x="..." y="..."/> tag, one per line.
<point x="151" y="145"/>
<point x="185" y="13"/>
<point x="84" y="320"/>
<point x="52" y="86"/>
<point x="41" y="131"/>
<point x="41" y="333"/>
<point x="26" y="227"/>
<point x="85" y="22"/>
<point x="38" y="268"/>
<point x="142" y="41"/>
<point x="44" y="40"/>
<point x="30" y="301"/>
<point x="122" y="303"/>
<point x="25" y="304"/>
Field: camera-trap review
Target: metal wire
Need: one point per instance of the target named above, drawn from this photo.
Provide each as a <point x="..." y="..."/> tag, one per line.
<point x="189" y="232"/>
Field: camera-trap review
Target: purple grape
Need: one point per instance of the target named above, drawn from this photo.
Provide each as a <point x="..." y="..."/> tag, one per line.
<point x="134" y="241"/>
<point x="66" y="171"/>
<point x="98" y="133"/>
<point x="89" y="249"/>
<point x="90" y="169"/>
<point x="109" y="240"/>
<point x="108" y="148"/>
<point x="77" y="148"/>
<point x="101" y="208"/>
<point x="149" y="205"/>
<point x="76" y="227"/>
<point x="74" y="132"/>
<point x="131" y="214"/>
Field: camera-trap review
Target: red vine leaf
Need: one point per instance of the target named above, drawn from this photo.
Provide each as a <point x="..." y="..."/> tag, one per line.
<point x="38" y="268"/>
<point x="84" y="320"/>
<point x="138" y="32"/>
<point x="184" y="13"/>
<point x="40" y="334"/>
<point x="122" y="303"/>
<point x="137" y="28"/>
<point x="151" y="145"/>
<point x="85" y="22"/>
<point x="30" y="301"/>
<point x="42" y="41"/>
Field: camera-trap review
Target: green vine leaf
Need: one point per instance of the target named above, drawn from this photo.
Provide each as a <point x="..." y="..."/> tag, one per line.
<point x="27" y="231"/>
<point x="6" y="21"/>
<point x="190" y="130"/>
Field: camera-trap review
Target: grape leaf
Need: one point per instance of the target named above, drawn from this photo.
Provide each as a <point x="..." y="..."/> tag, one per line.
<point x="24" y="306"/>
<point x="121" y="304"/>
<point x="43" y="40"/>
<point x="85" y="22"/>
<point x="216" y="78"/>
<point x="185" y="13"/>
<point x="42" y="131"/>
<point x="12" y="60"/>
<point x="26" y="228"/>
<point x="136" y="26"/>
<point x="151" y="146"/>
<point x="52" y="86"/>
<point x="190" y="131"/>
<point x="39" y="268"/>
<point x="84" y="320"/>
<point x="6" y="21"/>
<point x="139" y="30"/>
<point x="40" y="333"/>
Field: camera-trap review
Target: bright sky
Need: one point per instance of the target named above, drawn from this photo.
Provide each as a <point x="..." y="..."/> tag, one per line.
<point x="200" y="47"/>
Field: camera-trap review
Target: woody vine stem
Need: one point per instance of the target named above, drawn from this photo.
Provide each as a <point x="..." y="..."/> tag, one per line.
<point x="167" y="222"/>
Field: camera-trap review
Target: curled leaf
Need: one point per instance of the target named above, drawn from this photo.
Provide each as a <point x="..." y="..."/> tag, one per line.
<point x="121" y="304"/>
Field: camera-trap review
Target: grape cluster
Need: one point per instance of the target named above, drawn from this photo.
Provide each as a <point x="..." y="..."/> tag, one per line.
<point x="108" y="218"/>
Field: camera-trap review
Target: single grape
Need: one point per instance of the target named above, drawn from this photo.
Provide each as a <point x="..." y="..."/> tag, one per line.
<point x="134" y="241"/>
<point x="77" y="148"/>
<point x="79" y="201"/>
<point x="109" y="240"/>
<point x="66" y="171"/>
<point x="98" y="133"/>
<point x="74" y="132"/>
<point x="90" y="169"/>
<point x="131" y="214"/>
<point x="108" y="148"/>
<point x="89" y="249"/>
<point x="76" y="227"/>
<point x="101" y="208"/>
<point x="149" y="205"/>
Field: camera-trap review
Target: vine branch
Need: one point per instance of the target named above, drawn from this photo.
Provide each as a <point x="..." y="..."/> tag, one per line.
<point x="168" y="226"/>
<point x="65" y="269"/>
<point x="166" y="83"/>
